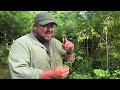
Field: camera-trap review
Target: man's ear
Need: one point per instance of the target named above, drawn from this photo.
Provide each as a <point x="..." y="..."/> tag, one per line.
<point x="35" y="26"/>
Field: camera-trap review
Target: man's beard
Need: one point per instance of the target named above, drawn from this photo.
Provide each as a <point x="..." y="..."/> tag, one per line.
<point x="43" y="38"/>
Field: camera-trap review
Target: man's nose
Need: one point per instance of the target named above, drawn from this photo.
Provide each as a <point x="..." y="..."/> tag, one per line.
<point x="48" y="28"/>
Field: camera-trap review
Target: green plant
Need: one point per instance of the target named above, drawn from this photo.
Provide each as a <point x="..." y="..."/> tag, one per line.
<point x="4" y="51"/>
<point x="75" y="75"/>
<point x="99" y="73"/>
<point x="116" y="73"/>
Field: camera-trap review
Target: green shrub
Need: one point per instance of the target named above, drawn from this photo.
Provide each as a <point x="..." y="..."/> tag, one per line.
<point x="4" y="51"/>
<point x="99" y="73"/>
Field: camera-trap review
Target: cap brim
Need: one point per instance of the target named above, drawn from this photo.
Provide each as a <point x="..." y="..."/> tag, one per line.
<point x="47" y="22"/>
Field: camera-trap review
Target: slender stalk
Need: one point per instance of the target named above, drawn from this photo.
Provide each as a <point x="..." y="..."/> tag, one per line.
<point x="107" y="52"/>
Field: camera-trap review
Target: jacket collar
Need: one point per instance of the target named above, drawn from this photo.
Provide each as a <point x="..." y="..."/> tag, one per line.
<point x="35" y="41"/>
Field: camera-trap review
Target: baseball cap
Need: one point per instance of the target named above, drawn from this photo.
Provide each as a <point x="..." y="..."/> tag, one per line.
<point x="44" y="18"/>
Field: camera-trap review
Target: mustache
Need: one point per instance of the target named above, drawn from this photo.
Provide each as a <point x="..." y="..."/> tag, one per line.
<point x="48" y="33"/>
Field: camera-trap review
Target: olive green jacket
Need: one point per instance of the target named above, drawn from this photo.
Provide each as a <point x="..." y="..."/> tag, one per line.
<point x="28" y="57"/>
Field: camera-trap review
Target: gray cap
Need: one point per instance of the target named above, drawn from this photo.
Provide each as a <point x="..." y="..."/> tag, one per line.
<point x="44" y="18"/>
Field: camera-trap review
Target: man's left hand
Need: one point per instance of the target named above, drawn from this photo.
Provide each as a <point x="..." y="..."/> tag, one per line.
<point x="67" y="45"/>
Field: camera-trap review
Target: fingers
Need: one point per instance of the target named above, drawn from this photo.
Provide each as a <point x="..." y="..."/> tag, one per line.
<point x="62" y="72"/>
<point x="65" y="42"/>
<point x="65" y="39"/>
<point x="66" y="72"/>
<point x="66" y="68"/>
<point x="62" y="68"/>
<point x="67" y="45"/>
<point x="65" y="75"/>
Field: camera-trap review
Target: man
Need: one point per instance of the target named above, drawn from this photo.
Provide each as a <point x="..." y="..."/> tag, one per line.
<point x="38" y="55"/>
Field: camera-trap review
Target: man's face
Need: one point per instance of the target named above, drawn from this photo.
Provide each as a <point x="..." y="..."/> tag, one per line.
<point x="45" y="32"/>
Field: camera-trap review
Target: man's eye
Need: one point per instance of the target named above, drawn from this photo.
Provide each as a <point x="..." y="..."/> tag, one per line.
<point x="51" y="26"/>
<point x="48" y="26"/>
<point x="43" y="25"/>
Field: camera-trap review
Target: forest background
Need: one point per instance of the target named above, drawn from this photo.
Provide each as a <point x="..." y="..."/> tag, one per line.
<point x="95" y="34"/>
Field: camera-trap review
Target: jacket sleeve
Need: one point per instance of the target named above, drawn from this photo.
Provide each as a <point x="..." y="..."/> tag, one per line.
<point x="19" y="62"/>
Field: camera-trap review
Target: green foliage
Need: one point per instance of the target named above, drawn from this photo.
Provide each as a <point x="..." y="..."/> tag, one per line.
<point x="104" y="74"/>
<point x="14" y="24"/>
<point x="75" y="75"/>
<point x="99" y="73"/>
<point x="4" y="51"/>
<point x="116" y="73"/>
<point x="88" y="30"/>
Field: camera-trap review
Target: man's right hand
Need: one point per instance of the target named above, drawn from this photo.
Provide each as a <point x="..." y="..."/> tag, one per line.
<point x="59" y="72"/>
